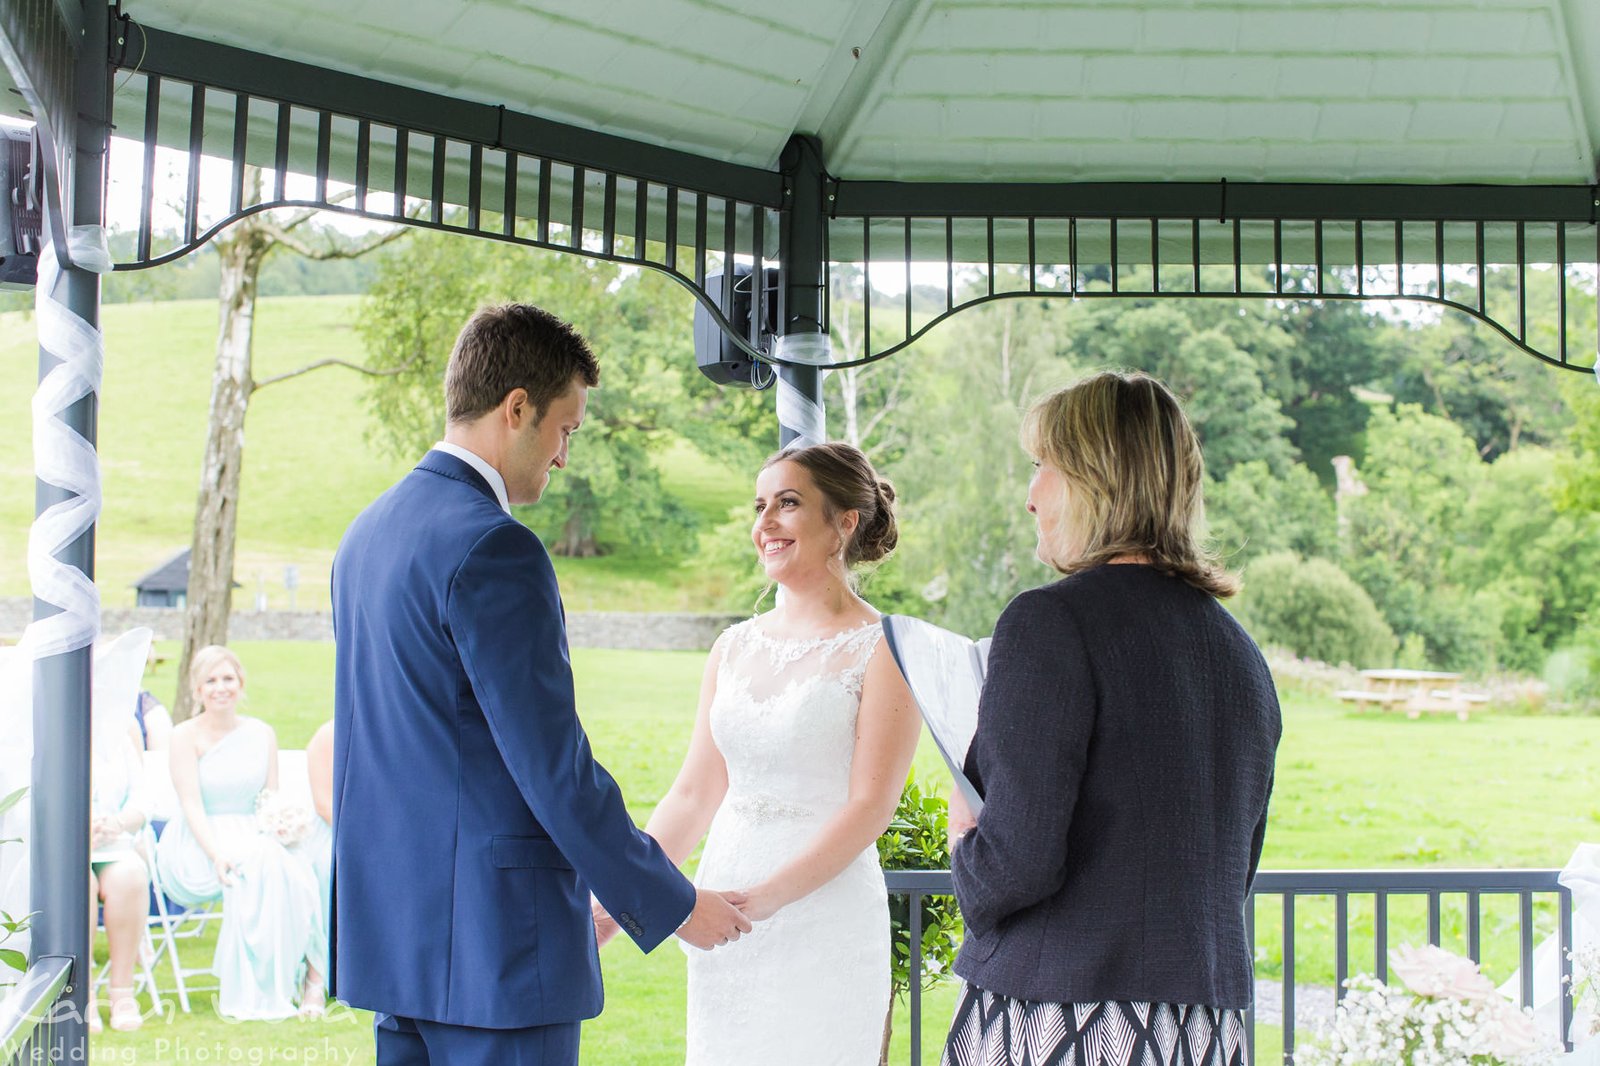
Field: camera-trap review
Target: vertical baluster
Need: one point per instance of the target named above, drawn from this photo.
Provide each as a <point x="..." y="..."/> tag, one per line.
<point x="280" y="155"/>
<point x="1380" y="935"/>
<point x="1522" y="282"/>
<point x="949" y="263"/>
<point x="1438" y="254"/>
<point x="402" y="168"/>
<point x="991" y="255"/>
<point x="1561" y="291"/>
<point x="1341" y="927"/>
<point x="1361" y="258"/>
<point x="758" y="276"/>
<point x="916" y="976"/>
<point x="1194" y="250"/>
<point x="436" y="193"/>
<point x="191" y="197"/>
<point x="1033" y="256"/>
<point x="700" y="243"/>
<point x="508" y="210"/>
<point x="641" y="221"/>
<point x="1250" y="938"/>
<point x="1525" y="938"/>
<point x="1155" y="255"/>
<point x="730" y="271"/>
<point x="241" y="139"/>
<point x="580" y="184"/>
<point x="1564" y="944"/>
<point x="1277" y="255"/>
<point x="1072" y="253"/>
<point x="1434" y="932"/>
<point x="1399" y="258"/>
<point x="1475" y="926"/>
<point x="608" y="220"/>
<point x="1288" y="976"/>
<point x="672" y="227"/>
<point x="152" y="120"/>
<point x="543" y="229"/>
<point x="1238" y="257"/>
<point x="1483" y="267"/>
<point x="866" y="286"/>
<point x="475" y="187"/>
<point x="908" y="278"/>
<point x="324" y="151"/>
<point x="1115" y="271"/>
<point x="1317" y="253"/>
<point x="363" y="152"/>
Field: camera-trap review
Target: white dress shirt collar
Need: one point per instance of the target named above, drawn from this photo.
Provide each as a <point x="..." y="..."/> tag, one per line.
<point x="477" y="462"/>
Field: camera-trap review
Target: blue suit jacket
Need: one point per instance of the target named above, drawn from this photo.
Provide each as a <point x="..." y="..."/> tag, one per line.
<point x="470" y="818"/>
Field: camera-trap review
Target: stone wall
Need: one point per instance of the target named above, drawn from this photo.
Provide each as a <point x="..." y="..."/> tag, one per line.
<point x="585" y="629"/>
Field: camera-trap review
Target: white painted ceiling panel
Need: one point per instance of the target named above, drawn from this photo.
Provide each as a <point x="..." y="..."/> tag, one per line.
<point x="1043" y="90"/>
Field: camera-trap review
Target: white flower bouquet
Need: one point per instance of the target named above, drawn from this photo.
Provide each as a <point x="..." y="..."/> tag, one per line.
<point x="1448" y="1014"/>
<point x="1585" y="993"/>
<point x="287" y="823"/>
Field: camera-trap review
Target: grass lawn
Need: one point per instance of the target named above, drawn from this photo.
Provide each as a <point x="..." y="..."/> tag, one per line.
<point x="1352" y="791"/>
<point x="310" y="465"/>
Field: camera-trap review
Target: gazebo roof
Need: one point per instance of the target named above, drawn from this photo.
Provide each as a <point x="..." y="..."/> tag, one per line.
<point x="1434" y="91"/>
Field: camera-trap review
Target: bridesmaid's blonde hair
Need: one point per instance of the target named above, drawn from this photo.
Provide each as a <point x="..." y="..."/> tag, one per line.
<point x="205" y="660"/>
<point x="1134" y="474"/>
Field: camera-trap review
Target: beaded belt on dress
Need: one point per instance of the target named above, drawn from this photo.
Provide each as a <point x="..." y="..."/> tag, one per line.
<point x="764" y="808"/>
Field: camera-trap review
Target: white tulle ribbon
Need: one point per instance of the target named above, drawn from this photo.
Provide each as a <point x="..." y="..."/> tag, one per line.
<point x="62" y="456"/>
<point x="796" y="411"/>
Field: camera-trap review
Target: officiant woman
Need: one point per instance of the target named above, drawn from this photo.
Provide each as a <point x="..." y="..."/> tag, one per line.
<point x="1124" y="753"/>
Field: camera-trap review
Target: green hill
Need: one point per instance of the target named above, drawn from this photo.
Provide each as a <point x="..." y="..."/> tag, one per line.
<point x="309" y="467"/>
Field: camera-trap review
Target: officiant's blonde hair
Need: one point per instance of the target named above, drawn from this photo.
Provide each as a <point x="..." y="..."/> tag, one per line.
<point x="1135" y="476"/>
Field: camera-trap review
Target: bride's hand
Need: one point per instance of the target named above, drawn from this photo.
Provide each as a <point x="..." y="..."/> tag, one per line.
<point x="759" y="904"/>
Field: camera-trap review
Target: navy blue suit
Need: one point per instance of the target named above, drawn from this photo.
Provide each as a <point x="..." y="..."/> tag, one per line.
<point x="470" y="818"/>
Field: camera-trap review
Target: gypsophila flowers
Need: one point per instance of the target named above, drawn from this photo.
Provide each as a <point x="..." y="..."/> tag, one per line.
<point x="1448" y="1014"/>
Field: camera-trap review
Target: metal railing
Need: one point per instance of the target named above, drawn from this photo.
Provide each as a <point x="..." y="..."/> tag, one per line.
<point x="1361" y="905"/>
<point x="27" y="1013"/>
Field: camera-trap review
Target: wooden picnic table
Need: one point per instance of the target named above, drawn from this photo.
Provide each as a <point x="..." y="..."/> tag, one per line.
<point x="1415" y="692"/>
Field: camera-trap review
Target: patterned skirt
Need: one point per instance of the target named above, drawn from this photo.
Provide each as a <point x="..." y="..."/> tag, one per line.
<point x="995" y="1030"/>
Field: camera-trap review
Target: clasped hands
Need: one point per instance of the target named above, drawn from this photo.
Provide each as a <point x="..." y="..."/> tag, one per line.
<point x="718" y="918"/>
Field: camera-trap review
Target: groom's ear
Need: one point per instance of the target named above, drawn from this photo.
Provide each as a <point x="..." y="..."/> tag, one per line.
<point x="516" y="409"/>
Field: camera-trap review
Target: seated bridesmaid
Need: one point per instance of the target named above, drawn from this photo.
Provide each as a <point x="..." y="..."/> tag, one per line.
<point x="271" y="947"/>
<point x="317" y="847"/>
<point x="118" y="879"/>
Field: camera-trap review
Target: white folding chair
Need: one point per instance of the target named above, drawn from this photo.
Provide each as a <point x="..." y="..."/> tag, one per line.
<point x="170" y="922"/>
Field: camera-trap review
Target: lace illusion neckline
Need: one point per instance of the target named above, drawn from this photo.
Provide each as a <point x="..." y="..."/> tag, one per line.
<point x="816" y="642"/>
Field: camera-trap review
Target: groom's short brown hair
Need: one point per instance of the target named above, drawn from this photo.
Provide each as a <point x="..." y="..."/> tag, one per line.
<point x="514" y="346"/>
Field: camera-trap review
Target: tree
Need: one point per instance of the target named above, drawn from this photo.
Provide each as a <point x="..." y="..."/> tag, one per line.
<point x="637" y="323"/>
<point x="1254" y="512"/>
<point x="241" y="251"/>
<point x="1312" y="608"/>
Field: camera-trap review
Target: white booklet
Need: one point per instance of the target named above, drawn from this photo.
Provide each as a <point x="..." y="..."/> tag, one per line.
<point x="945" y="672"/>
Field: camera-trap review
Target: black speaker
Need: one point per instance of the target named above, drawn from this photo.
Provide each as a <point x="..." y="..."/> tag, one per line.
<point x="21" y="214"/>
<point x="714" y="353"/>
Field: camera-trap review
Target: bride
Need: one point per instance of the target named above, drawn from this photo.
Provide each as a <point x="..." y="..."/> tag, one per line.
<point x="800" y="749"/>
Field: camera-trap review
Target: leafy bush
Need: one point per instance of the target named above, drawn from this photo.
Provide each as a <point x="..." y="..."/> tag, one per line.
<point x="1315" y="610"/>
<point x="917" y="839"/>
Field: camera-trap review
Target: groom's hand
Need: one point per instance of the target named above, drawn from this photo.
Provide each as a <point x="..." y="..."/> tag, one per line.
<point x="715" y="920"/>
<point x="605" y="926"/>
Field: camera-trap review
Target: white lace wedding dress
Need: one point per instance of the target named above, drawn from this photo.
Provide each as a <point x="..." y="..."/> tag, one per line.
<point x="809" y="986"/>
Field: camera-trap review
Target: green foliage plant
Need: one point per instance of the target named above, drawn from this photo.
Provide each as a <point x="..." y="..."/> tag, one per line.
<point x="10" y="926"/>
<point x="917" y="839"/>
<point x="1314" y="609"/>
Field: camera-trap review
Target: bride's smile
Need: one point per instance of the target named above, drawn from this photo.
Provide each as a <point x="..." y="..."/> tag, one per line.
<point x="793" y="535"/>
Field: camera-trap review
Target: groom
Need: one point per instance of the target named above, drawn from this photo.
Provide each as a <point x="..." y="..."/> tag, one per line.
<point x="471" y="821"/>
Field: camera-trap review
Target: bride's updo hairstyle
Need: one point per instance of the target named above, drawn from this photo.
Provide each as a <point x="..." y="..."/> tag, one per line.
<point x="848" y="482"/>
<point x="1134" y="477"/>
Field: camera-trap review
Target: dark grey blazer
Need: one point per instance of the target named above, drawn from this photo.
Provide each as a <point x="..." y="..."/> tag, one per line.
<point x="1124" y="752"/>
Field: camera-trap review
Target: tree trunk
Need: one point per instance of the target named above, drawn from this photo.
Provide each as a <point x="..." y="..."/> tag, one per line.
<point x="577" y="539"/>
<point x="888" y="1031"/>
<point x="216" y="519"/>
